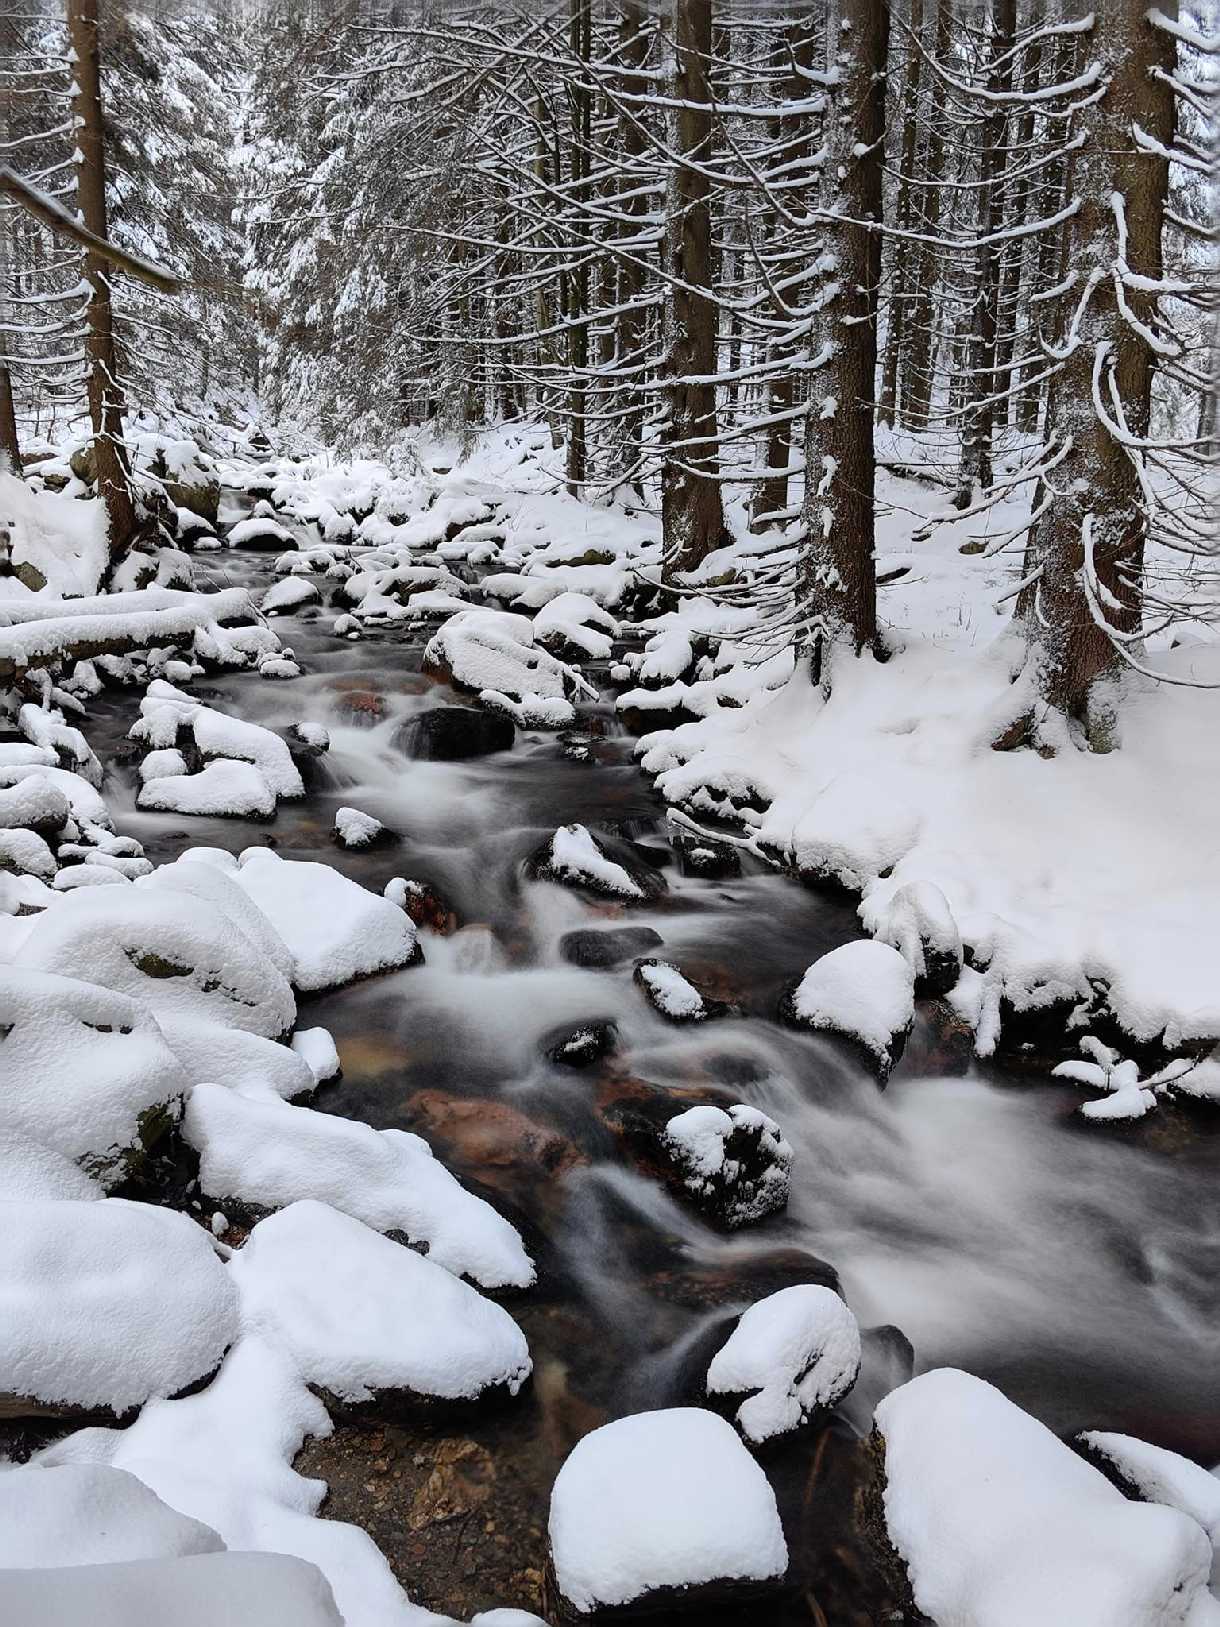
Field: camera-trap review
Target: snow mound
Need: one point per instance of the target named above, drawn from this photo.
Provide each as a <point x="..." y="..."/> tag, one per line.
<point x="917" y="921"/>
<point x="242" y="1062"/>
<point x="200" y="1590"/>
<point x="29" y="1169"/>
<point x="1159" y="1476"/>
<point x="735" y="1163"/>
<point x="673" y="995"/>
<point x="89" y="1514"/>
<point x="335" y="929"/>
<point x="108" y="1304"/>
<point x="494" y="649"/>
<point x="668" y="1499"/>
<point x="261" y="1152"/>
<point x="194" y="962"/>
<point x="1001" y="1525"/>
<point x="166" y="712"/>
<point x="865" y="990"/>
<point x="58" y="544"/>
<point x="793" y="1354"/>
<point x="230" y="789"/>
<point x="317" y="1049"/>
<point x="290" y="593"/>
<point x="259" y="531"/>
<point x="361" y="1314"/>
<point x="82" y="1070"/>
<point x="355" y="830"/>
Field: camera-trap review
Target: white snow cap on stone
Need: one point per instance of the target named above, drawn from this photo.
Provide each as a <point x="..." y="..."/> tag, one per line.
<point x="317" y="1048"/>
<point x="1160" y="1476"/>
<point x="89" y="1514"/>
<point x="335" y="929"/>
<point x="356" y="829"/>
<point x="222" y="788"/>
<point x="107" y="1304"/>
<point x="1002" y="1525"/>
<point x="198" y="1590"/>
<point x="668" y="1499"/>
<point x="792" y="1353"/>
<point x="79" y="1067"/>
<point x="30" y="1169"/>
<point x="290" y="593"/>
<point x="863" y="989"/>
<point x="575" y="856"/>
<point x="672" y="994"/>
<point x="698" y="1137"/>
<point x="259" y="1151"/>
<point x="361" y="1314"/>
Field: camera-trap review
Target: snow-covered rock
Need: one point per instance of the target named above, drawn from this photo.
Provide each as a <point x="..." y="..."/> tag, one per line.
<point x="575" y="858"/>
<point x="574" y="626"/>
<point x="198" y="1590"/>
<point x="355" y="830"/>
<point x="231" y="790"/>
<point x="863" y="990"/>
<point x="734" y="1163"/>
<point x="363" y="1316"/>
<point x="335" y="929"/>
<point x="31" y="1169"/>
<point x="36" y="804"/>
<point x="917" y="921"/>
<point x="1160" y="1476"/>
<point x="793" y="1354"/>
<point x="665" y="1503"/>
<point x="107" y="1304"/>
<point x="90" y="1514"/>
<point x="260" y="1153"/>
<point x="1001" y="1525"/>
<point x="317" y="1049"/>
<point x="290" y="593"/>
<point x="259" y="531"/>
<point x="195" y="963"/>
<point x="495" y="650"/>
<point x="84" y="1071"/>
<point x="674" y="995"/>
<point x="25" y="853"/>
<point x="166" y="712"/>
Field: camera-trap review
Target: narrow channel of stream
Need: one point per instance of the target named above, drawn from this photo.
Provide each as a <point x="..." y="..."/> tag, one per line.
<point x="1072" y="1264"/>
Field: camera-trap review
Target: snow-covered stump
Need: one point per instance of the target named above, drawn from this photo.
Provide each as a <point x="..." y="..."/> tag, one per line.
<point x="732" y="1164"/>
<point x="108" y="1304"/>
<point x="372" y="1326"/>
<point x="791" y="1357"/>
<point x="997" y="1522"/>
<point x="659" y="1514"/>
<point x="573" y="857"/>
<point x="862" y="991"/>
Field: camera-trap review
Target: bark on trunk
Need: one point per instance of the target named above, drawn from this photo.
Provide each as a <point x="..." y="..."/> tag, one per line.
<point x="10" y="449"/>
<point x="105" y="397"/>
<point x="837" y="586"/>
<point x="632" y="318"/>
<point x="692" y="517"/>
<point x="578" y="283"/>
<point x="904" y="262"/>
<point x="1098" y="495"/>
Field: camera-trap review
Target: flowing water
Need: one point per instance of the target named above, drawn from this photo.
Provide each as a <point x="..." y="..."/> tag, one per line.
<point x="1076" y="1266"/>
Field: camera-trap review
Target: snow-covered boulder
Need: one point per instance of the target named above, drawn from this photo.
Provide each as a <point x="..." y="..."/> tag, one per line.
<point x="793" y="1354"/>
<point x="31" y="1169"/>
<point x="451" y="734"/>
<point x="224" y="789"/>
<point x="198" y="1590"/>
<point x="166" y="714"/>
<point x="84" y="1071"/>
<point x="917" y="921"/>
<point x="665" y="1508"/>
<point x="239" y="1061"/>
<point x="1156" y="1475"/>
<point x="355" y="830"/>
<point x="365" y="1318"/>
<point x="25" y="853"/>
<point x="335" y="929"/>
<point x="494" y="650"/>
<point x="195" y="963"/>
<point x="575" y="858"/>
<point x="36" y="804"/>
<point x="317" y="1049"/>
<point x="864" y="991"/>
<point x="107" y="1304"/>
<point x="734" y="1163"/>
<point x="1000" y="1524"/>
<point x="290" y="593"/>
<point x="674" y="995"/>
<point x="576" y="628"/>
<point x="261" y="1154"/>
<point x="260" y="531"/>
<point x="90" y="1514"/>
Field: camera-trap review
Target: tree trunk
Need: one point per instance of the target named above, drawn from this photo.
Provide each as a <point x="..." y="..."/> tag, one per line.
<point x="1098" y="499"/>
<point x="978" y="421"/>
<point x="631" y="324"/>
<point x="837" y="579"/>
<point x="10" y="449"/>
<point x="692" y="517"/>
<point x="579" y="21"/>
<point x="904" y="263"/>
<point x="922" y="319"/>
<point x="105" y="397"/>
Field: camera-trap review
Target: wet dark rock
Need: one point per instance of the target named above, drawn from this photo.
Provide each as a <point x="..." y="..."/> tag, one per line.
<point x="732" y="1163"/>
<point x="427" y="908"/>
<point x="602" y="951"/>
<point x="363" y="707"/>
<point x="705" y="858"/>
<point x="451" y="734"/>
<point x="581" y="1047"/>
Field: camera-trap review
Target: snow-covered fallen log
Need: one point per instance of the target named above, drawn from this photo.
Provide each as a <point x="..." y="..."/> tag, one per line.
<point x="79" y="629"/>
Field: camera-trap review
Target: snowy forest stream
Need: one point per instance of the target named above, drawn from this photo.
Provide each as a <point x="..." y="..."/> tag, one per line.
<point x="962" y="1205"/>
